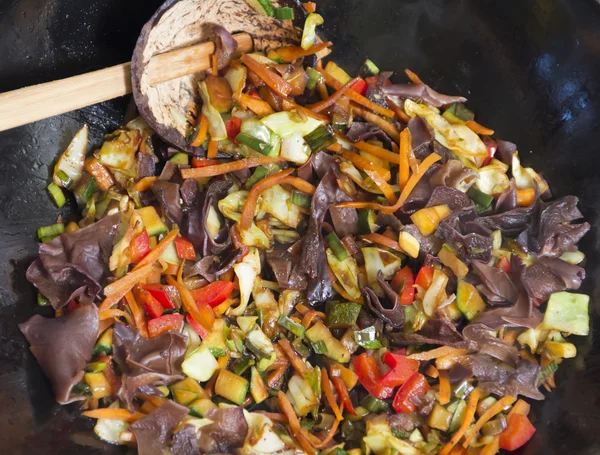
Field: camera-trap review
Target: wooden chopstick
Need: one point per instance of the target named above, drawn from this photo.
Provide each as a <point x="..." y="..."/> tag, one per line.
<point x="37" y="102"/>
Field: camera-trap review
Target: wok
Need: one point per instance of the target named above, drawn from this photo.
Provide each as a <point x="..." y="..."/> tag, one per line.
<point x="529" y="68"/>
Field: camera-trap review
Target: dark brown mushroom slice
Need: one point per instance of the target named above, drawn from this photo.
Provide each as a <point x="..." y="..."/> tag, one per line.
<point x="182" y="23"/>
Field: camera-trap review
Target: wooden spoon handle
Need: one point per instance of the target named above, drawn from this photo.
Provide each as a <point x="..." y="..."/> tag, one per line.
<point x="30" y="104"/>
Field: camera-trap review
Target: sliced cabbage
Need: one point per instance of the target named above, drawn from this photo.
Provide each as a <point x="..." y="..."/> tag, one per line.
<point x="118" y="151"/>
<point x="377" y="259"/>
<point x="366" y="183"/>
<point x="436" y="293"/>
<point x="533" y="338"/>
<point x="232" y="205"/>
<point x="246" y="271"/>
<point x="286" y="124"/>
<point x="295" y="149"/>
<point x="309" y="34"/>
<point x="261" y="437"/>
<point x="459" y="138"/>
<point x="72" y="160"/>
<point x="277" y="201"/>
<point x="109" y="430"/>
<point x="379" y="439"/>
<point x="492" y="178"/>
<point x="301" y="395"/>
<point x="121" y="254"/>
<point x="216" y="125"/>
<point x="346" y="272"/>
<point x="526" y="177"/>
<point x="236" y="76"/>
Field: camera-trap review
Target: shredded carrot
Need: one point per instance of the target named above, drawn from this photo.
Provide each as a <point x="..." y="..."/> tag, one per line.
<point x="114" y="313"/>
<point x="310" y="316"/>
<point x="222" y="307"/>
<point x="405" y="146"/>
<point x="526" y="355"/>
<point x="250" y="207"/>
<point x="444" y="388"/>
<point x="215" y="65"/>
<point x="145" y="183"/>
<point x="479" y="129"/>
<point x="385" y="188"/>
<point x="379" y="152"/>
<point x="458" y="450"/>
<point x="302" y="309"/>
<point x="103" y="177"/>
<point x="156" y="252"/>
<point x="382" y="123"/>
<point x="225" y="168"/>
<point x="323" y="93"/>
<point x="510" y="336"/>
<point x="273" y="80"/>
<point x="189" y="303"/>
<point x="138" y="315"/>
<point x="289" y="105"/>
<point x="492" y="448"/>
<point x="329" y="394"/>
<point x="438" y="352"/>
<point x="487" y="415"/>
<point x="256" y="105"/>
<point x="355" y="96"/>
<point x="432" y="372"/>
<point x="521" y="407"/>
<point x="114" y="414"/>
<point x="330" y="435"/>
<point x="525" y="197"/>
<point x="341" y="291"/>
<point x="105" y="324"/>
<point x="293" y="357"/>
<point x="275" y="376"/>
<point x="117" y="290"/>
<point x="310" y="7"/>
<point x="406" y="191"/>
<point x="300" y="184"/>
<point x="382" y="240"/>
<point x="403" y="116"/>
<point x="294" y="423"/>
<point x="365" y="164"/>
<point x="274" y="416"/>
<point x="213" y="149"/>
<point x="469" y="415"/>
<point x="291" y="53"/>
<point x="324" y="104"/>
<point x="335" y="147"/>
<point x="446" y="362"/>
<point x="413" y="77"/>
<point x="202" y="132"/>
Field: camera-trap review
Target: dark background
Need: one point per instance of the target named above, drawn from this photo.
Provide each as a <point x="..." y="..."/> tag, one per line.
<point x="530" y="69"/>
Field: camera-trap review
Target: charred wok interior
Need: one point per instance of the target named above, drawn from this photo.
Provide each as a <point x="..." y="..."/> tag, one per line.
<point x="278" y="257"/>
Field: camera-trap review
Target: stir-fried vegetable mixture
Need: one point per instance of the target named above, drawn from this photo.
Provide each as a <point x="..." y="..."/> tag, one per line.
<point x="347" y="265"/>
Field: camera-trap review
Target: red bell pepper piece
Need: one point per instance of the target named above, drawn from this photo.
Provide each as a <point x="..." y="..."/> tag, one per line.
<point x="140" y="247"/>
<point x="185" y="249"/>
<point x="416" y="386"/>
<point x="342" y="391"/>
<point x="518" y="431"/>
<point x="233" y="127"/>
<point x="164" y="324"/>
<point x="360" y="86"/>
<point x="368" y="373"/>
<point x="153" y="307"/>
<point x="214" y="293"/>
<point x="199" y="328"/>
<point x="492" y="146"/>
<point x="403" y="283"/>
<point x="504" y="264"/>
<point x="402" y="368"/>
<point x="425" y="277"/>
<point x="159" y="293"/>
<point x="203" y="162"/>
<point x="254" y="93"/>
<point x="372" y="80"/>
<point x="72" y="306"/>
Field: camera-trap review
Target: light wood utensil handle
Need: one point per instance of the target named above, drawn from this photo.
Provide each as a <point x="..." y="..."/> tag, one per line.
<point x="29" y="104"/>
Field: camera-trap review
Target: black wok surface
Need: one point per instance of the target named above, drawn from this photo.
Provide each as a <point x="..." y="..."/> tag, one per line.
<point x="530" y="68"/>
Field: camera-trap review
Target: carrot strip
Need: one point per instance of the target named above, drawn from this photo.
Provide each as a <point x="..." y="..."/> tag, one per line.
<point x="444" y="388"/>
<point x="403" y="116"/>
<point x="410" y="185"/>
<point x="215" y="65"/>
<point x="225" y="168"/>
<point x="382" y="123"/>
<point x="437" y="352"/>
<point x="105" y="325"/>
<point x="487" y="415"/>
<point x="291" y="53"/>
<point x="290" y="106"/>
<point x="491" y="448"/>
<point x="114" y="414"/>
<point x="310" y="7"/>
<point x="222" y="307"/>
<point x="276" y="375"/>
<point x="382" y="240"/>
<point x="268" y="182"/>
<point x="189" y="303"/>
<point x="413" y="77"/>
<point x="329" y="394"/>
<point x="256" y="105"/>
<point x="273" y="80"/>
<point x="144" y="184"/>
<point x="114" y="313"/>
<point x="335" y="147"/>
<point x="525" y="197"/>
<point x="299" y="184"/>
<point x="330" y="435"/>
<point x="432" y="372"/>
<point x="156" y="252"/>
<point x="138" y="315"/>
<point x="379" y="152"/>
<point x="310" y="316"/>
<point x="385" y="188"/>
<point x="520" y="407"/>
<point x="479" y="129"/>
<point x="469" y="415"/>
<point x="213" y="149"/>
<point x="323" y="93"/>
<point x="201" y="133"/>
<point x="365" y="164"/>
<point x="405" y="145"/>
<point x="117" y="290"/>
<point x="355" y="96"/>
<point x="293" y="357"/>
<point x="324" y="104"/>
<point x="446" y="362"/>
<point x="294" y="423"/>
<point x="104" y="179"/>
